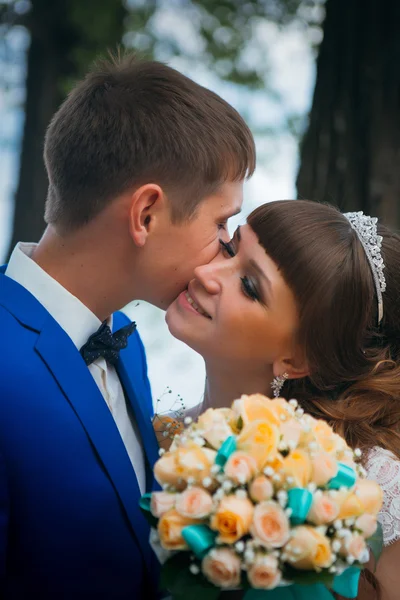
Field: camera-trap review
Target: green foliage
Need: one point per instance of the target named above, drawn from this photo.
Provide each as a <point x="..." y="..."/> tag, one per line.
<point x="182" y="584"/>
<point x="224" y="29"/>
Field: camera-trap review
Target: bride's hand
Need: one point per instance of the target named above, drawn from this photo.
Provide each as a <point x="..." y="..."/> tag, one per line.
<point x="166" y="428"/>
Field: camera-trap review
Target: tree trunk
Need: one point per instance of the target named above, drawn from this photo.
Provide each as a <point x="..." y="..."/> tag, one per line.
<point x="350" y="154"/>
<point x="50" y="43"/>
<point x="66" y="35"/>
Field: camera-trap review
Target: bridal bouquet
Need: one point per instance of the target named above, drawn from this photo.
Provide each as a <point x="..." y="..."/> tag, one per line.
<point x="264" y="498"/>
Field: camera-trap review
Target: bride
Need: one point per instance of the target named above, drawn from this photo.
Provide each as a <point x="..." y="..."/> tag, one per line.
<point x="304" y="302"/>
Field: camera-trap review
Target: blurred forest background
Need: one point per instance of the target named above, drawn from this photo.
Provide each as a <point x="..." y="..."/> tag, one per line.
<point x="317" y="80"/>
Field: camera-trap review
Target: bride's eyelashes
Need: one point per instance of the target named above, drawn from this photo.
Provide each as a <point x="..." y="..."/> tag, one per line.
<point x="248" y="287"/>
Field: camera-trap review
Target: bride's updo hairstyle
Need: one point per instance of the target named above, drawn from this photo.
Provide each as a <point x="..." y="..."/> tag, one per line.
<point x="354" y="363"/>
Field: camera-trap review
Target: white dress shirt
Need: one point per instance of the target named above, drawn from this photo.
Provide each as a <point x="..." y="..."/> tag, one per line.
<point x="79" y="323"/>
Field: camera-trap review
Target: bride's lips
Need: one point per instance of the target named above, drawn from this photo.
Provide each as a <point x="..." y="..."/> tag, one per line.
<point x="188" y="302"/>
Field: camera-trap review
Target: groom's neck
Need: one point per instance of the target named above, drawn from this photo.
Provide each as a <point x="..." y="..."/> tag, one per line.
<point x="90" y="266"/>
<point x="223" y="387"/>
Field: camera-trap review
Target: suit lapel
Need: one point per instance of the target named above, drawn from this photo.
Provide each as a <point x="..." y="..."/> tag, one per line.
<point x="130" y="372"/>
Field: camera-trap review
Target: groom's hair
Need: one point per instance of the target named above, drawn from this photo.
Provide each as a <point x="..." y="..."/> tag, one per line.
<point x="131" y="122"/>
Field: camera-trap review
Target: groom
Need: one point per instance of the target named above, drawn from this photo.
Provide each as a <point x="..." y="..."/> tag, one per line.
<point x="145" y="168"/>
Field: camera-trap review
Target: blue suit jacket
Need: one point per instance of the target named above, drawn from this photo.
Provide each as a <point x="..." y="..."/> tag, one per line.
<point x="70" y="526"/>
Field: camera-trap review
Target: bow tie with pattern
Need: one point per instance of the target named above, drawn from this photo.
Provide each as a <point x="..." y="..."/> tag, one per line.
<point x="104" y="343"/>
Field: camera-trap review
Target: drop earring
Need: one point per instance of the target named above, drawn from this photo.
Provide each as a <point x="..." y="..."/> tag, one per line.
<point x="278" y="383"/>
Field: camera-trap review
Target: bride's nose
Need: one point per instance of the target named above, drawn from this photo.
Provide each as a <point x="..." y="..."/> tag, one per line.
<point x="210" y="277"/>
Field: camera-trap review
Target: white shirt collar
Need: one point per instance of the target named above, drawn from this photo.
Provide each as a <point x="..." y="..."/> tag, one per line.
<point x="71" y="314"/>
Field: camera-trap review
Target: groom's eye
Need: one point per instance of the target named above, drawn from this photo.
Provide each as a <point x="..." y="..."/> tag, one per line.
<point x="222" y="226"/>
<point x="227" y="248"/>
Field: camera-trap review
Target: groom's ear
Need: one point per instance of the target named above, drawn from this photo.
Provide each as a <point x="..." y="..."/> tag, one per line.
<point x="146" y="205"/>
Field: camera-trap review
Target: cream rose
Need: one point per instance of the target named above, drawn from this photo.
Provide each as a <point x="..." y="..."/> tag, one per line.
<point x="324" y="467"/>
<point x="165" y="471"/>
<point x="264" y="573"/>
<point x="260" y="440"/>
<point x="367" y="525"/>
<point x="350" y="505"/>
<point x="194" y="503"/>
<point x="232" y="518"/>
<point x="261" y="489"/>
<point x="170" y="530"/>
<point x="221" y="567"/>
<point x="291" y="432"/>
<point x="176" y="468"/>
<point x="308" y="549"/>
<point x="255" y="408"/>
<point x="214" y="427"/>
<point x="370" y="495"/>
<point x="270" y="525"/>
<point x="240" y="467"/>
<point x="161" y="502"/>
<point x="297" y="465"/>
<point x="323" y="510"/>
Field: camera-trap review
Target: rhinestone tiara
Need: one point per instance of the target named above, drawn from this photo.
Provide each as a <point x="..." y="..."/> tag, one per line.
<point x="366" y="230"/>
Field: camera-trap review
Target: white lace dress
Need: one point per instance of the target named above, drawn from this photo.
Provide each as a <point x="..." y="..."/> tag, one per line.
<point x="384" y="468"/>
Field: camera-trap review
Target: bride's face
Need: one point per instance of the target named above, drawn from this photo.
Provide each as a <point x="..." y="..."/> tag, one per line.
<point x="238" y="308"/>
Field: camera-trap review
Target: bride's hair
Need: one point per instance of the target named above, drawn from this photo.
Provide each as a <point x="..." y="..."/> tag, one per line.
<point x="354" y="364"/>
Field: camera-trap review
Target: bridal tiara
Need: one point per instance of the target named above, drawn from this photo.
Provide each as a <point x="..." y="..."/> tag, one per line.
<point x="366" y="230"/>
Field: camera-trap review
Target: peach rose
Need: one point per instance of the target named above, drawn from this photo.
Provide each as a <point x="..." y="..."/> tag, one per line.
<point x="176" y="467"/>
<point x="370" y="495"/>
<point x="297" y="465"/>
<point x="323" y="510"/>
<point x="161" y="502"/>
<point x="260" y="440"/>
<point x="353" y="546"/>
<point x="261" y="489"/>
<point x="270" y="525"/>
<point x="264" y="573"/>
<point x="324" y="467"/>
<point x="194" y="503"/>
<point x="240" y="467"/>
<point x="308" y="549"/>
<point x="367" y="525"/>
<point x="221" y="567"/>
<point x="232" y="518"/>
<point x="170" y="530"/>
<point x="254" y="408"/>
<point x="214" y="427"/>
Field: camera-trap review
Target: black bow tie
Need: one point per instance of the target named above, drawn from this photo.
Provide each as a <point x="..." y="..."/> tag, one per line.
<point x="107" y="344"/>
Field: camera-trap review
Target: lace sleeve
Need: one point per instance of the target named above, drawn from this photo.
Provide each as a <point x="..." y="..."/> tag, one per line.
<point x="384" y="468"/>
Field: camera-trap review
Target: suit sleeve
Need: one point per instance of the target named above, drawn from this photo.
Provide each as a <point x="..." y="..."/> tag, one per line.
<point x="4" y="517"/>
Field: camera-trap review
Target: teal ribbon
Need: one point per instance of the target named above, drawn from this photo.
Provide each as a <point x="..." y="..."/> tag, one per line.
<point x="144" y="505"/>
<point x="228" y="447"/>
<point x="345" y="477"/>
<point x="346" y="584"/>
<point x="292" y="592"/>
<point x="299" y="501"/>
<point x="199" y="538"/>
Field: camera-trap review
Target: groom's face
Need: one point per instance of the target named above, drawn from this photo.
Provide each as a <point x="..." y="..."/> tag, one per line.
<point x="182" y="247"/>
